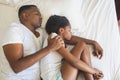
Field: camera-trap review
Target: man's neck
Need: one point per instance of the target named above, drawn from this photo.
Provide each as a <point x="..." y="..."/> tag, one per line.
<point x="32" y="29"/>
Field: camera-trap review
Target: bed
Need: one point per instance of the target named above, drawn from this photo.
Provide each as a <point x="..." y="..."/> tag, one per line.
<point x="91" y="19"/>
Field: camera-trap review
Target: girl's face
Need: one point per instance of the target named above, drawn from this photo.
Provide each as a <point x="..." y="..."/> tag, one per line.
<point x="65" y="33"/>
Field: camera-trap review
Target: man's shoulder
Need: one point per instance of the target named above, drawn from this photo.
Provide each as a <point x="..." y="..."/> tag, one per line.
<point x="15" y="25"/>
<point x="13" y="34"/>
<point x="14" y="29"/>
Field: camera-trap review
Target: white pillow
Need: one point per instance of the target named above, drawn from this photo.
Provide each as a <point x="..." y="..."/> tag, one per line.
<point x="9" y="2"/>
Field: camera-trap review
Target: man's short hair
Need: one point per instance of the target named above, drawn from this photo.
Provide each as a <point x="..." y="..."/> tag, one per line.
<point x="24" y="8"/>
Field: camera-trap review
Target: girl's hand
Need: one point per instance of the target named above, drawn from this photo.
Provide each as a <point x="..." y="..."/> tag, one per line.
<point x="98" y="74"/>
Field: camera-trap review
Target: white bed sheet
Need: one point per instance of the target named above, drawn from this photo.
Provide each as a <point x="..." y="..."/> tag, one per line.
<point x="92" y="19"/>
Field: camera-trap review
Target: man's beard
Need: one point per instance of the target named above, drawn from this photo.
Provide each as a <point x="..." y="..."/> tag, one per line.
<point x="37" y="26"/>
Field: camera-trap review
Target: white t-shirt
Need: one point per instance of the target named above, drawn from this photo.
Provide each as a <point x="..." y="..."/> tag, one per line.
<point x="51" y="64"/>
<point x="18" y="33"/>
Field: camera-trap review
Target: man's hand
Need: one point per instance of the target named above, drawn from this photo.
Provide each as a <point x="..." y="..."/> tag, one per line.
<point x="55" y="43"/>
<point x="98" y="51"/>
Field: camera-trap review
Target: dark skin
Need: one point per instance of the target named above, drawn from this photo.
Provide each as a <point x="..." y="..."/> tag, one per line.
<point x="14" y="52"/>
<point x="80" y="51"/>
<point x="98" y="51"/>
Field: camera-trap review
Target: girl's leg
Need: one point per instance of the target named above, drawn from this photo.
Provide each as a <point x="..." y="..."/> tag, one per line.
<point x="85" y="57"/>
<point x="68" y="71"/>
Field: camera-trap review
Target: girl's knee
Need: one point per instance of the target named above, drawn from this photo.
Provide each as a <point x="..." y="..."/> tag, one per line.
<point x="81" y="44"/>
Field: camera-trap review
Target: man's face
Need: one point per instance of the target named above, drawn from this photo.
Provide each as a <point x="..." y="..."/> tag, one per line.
<point x="34" y="17"/>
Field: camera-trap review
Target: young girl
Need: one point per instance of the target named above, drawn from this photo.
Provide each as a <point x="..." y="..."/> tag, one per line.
<point x="78" y="58"/>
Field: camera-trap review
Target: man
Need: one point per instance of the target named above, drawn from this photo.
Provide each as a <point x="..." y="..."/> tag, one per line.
<point x="22" y="46"/>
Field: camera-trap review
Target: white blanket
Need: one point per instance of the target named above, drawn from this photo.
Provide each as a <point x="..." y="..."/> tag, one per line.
<point x="92" y="19"/>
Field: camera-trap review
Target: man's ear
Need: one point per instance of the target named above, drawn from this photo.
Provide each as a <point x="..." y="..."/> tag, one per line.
<point x="25" y="15"/>
<point x="61" y="30"/>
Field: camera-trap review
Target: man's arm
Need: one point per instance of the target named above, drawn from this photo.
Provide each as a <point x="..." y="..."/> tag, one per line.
<point x="98" y="51"/>
<point x="14" y="54"/>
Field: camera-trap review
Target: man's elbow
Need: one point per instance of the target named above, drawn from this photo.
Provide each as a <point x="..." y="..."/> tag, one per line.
<point x="15" y="69"/>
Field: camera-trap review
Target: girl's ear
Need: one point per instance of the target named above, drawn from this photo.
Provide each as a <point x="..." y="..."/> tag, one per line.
<point x="61" y="30"/>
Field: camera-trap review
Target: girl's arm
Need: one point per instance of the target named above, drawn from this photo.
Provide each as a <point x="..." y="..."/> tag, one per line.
<point x="98" y="51"/>
<point x="76" y="62"/>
